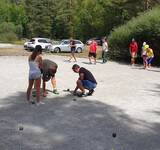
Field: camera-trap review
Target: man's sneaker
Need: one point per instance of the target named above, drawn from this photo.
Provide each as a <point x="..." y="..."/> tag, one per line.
<point x="33" y="102"/>
<point x="55" y="91"/>
<point x="81" y="94"/>
<point x="90" y="92"/>
<point x="40" y="103"/>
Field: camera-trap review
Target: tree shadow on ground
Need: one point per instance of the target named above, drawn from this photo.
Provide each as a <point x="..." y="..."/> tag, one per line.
<point x="65" y="124"/>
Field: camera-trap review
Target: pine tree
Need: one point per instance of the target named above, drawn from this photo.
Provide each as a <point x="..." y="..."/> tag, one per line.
<point x="39" y="15"/>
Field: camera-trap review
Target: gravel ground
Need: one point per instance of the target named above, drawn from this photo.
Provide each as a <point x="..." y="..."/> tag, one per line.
<point x="126" y="102"/>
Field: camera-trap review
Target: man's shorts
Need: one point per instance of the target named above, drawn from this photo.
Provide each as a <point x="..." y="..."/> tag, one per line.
<point x="46" y="75"/>
<point x="92" y="55"/>
<point x="149" y="60"/>
<point x="133" y="54"/>
<point x="73" y="49"/>
<point x="88" y="84"/>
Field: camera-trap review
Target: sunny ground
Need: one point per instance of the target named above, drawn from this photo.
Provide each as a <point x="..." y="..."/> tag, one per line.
<point x="126" y="102"/>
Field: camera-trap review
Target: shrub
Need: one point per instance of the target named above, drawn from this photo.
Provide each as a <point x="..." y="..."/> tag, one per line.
<point x="145" y="27"/>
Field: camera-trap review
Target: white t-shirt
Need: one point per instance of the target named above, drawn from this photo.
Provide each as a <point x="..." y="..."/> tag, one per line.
<point x="105" y="46"/>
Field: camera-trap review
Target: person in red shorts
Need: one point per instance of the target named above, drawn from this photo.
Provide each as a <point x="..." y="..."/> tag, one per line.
<point x="92" y="51"/>
<point x="133" y="51"/>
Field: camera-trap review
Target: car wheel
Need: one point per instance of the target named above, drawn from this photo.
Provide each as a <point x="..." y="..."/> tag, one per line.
<point x="57" y="50"/>
<point x="79" y="50"/>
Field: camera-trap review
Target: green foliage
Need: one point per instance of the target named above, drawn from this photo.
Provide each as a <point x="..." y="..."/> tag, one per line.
<point x="39" y="14"/>
<point x="60" y="19"/>
<point x="12" y="21"/>
<point x="7" y="32"/>
<point x="146" y="27"/>
<point x="63" y="20"/>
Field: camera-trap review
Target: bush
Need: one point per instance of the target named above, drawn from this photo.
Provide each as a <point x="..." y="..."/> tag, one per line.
<point x="145" y="27"/>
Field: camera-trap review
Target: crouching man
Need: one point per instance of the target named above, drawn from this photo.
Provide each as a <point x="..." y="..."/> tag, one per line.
<point x="48" y="73"/>
<point x="86" y="80"/>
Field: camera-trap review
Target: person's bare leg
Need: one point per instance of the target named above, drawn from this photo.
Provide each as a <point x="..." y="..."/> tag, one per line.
<point x="38" y="85"/>
<point x="132" y="61"/>
<point x="44" y="89"/>
<point x="70" y="58"/>
<point x="29" y="89"/>
<point x="53" y="82"/>
<point x="73" y="55"/>
<point x="95" y="60"/>
<point x="90" y="61"/>
<point x="80" y="86"/>
<point x="145" y="63"/>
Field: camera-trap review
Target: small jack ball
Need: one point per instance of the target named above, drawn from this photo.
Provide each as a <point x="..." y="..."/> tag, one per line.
<point x="20" y="128"/>
<point x="74" y="99"/>
<point x="114" y="135"/>
<point x="33" y="102"/>
<point x="68" y="89"/>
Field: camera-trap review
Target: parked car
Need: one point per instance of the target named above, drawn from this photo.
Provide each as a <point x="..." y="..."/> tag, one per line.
<point x="98" y="40"/>
<point x="64" y="46"/>
<point x="43" y="42"/>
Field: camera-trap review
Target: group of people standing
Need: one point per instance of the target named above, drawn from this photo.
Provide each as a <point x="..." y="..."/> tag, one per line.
<point x="93" y="51"/>
<point x="92" y="54"/>
<point x="147" y="53"/>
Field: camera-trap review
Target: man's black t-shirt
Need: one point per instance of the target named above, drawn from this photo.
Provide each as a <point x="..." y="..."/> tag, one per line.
<point x="87" y="75"/>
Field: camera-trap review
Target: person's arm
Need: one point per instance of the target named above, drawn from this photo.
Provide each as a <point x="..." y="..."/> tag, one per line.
<point x="44" y="86"/>
<point x="53" y="82"/>
<point x="75" y="90"/>
<point x="81" y="76"/>
<point x="40" y="61"/>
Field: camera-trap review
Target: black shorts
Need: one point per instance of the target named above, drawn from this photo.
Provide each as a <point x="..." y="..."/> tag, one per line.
<point x="73" y="49"/>
<point x="92" y="55"/>
<point x="47" y="75"/>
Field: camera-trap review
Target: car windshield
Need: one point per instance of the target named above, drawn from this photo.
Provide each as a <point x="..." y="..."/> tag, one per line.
<point x="32" y="40"/>
<point x="48" y="40"/>
<point x="64" y="42"/>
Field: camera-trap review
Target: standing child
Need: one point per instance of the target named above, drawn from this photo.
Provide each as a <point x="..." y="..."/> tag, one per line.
<point x="35" y="64"/>
<point x="150" y="56"/>
<point x="144" y="55"/>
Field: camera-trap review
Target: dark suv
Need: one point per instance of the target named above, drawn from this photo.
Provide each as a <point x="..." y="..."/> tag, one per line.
<point x="98" y="40"/>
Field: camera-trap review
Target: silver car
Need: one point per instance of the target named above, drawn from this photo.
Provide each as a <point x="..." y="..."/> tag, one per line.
<point x="64" y="46"/>
<point x="43" y="42"/>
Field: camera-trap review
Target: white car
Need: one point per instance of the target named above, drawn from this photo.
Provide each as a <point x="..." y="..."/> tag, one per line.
<point x="43" y="42"/>
<point x="64" y="46"/>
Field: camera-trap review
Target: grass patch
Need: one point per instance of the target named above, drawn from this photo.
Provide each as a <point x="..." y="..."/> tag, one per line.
<point x="19" y="51"/>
